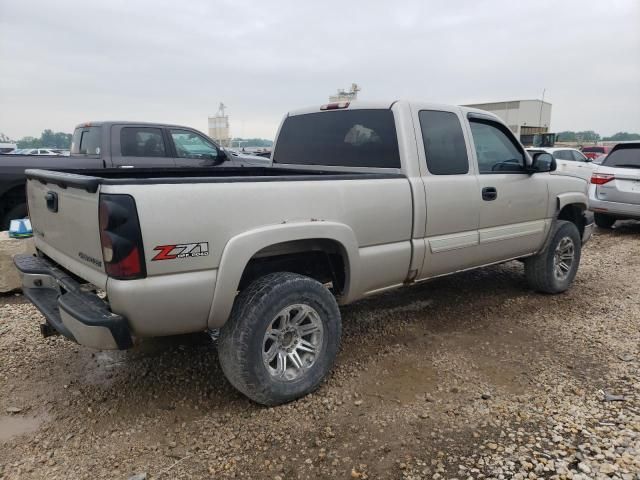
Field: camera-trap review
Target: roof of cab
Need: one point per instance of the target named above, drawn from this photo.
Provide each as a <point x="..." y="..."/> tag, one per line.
<point x="372" y="105"/>
<point x="107" y="123"/>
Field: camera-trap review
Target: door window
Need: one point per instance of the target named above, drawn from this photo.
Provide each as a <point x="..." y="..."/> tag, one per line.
<point x="444" y="144"/>
<point x="142" y="142"/>
<point x="563" y="155"/>
<point x="191" y="145"/>
<point x="578" y="157"/>
<point x="496" y="149"/>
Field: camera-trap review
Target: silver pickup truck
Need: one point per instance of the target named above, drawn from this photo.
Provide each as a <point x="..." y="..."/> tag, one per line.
<point x="360" y="199"/>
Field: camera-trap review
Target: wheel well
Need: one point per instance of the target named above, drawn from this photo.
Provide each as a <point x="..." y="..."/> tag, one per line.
<point x="12" y="197"/>
<point x="321" y="259"/>
<point x="573" y="213"/>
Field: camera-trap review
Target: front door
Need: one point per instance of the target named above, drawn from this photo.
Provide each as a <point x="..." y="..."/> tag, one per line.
<point x="513" y="203"/>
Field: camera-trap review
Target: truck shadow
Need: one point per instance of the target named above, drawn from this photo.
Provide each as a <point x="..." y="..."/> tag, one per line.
<point x="152" y="372"/>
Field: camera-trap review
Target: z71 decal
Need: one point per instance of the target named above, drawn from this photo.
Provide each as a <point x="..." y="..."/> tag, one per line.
<point x="182" y="250"/>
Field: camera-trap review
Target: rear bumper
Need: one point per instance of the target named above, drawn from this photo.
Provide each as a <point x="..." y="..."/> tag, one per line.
<point x="77" y="314"/>
<point x="615" y="209"/>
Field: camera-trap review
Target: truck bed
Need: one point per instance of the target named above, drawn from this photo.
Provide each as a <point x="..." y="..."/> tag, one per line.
<point x="90" y="180"/>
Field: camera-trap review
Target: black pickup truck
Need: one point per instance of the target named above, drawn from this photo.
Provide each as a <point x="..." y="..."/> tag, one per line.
<point x="117" y="145"/>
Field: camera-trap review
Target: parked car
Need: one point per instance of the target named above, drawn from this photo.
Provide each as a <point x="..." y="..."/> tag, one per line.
<point x="593" y="152"/>
<point x="119" y="145"/>
<point x="40" y="151"/>
<point x="570" y="161"/>
<point x="61" y="151"/>
<point x="361" y="199"/>
<point x="614" y="193"/>
<point x="7" y="147"/>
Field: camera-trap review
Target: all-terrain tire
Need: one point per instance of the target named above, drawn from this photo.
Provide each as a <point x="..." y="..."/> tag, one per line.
<point x="604" y="221"/>
<point x="542" y="270"/>
<point x="241" y="342"/>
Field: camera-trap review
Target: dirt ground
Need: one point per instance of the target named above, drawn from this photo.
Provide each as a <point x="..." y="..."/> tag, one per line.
<point x="469" y="376"/>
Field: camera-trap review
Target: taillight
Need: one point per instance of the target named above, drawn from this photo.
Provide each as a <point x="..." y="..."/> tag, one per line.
<point x="120" y="237"/>
<point x="601" y="178"/>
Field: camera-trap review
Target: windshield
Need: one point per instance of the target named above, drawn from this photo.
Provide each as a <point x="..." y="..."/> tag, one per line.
<point x="86" y="141"/>
<point x="624" y="156"/>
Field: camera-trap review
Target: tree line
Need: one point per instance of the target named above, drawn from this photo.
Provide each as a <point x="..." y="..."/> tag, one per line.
<point x="47" y="139"/>
<point x="589" y="136"/>
<point x="51" y="139"/>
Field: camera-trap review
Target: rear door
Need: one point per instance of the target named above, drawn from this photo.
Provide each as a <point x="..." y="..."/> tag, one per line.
<point x="624" y="163"/>
<point x="512" y="202"/>
<point x="139" y="146"/>
<point x="452" y="192"/>
<point x="65" y="227"/>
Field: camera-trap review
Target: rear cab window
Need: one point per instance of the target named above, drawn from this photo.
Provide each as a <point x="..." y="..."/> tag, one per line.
<point x="86" y="141"/>
<point x="344" y="138"/>
<point x="624" y="156"/>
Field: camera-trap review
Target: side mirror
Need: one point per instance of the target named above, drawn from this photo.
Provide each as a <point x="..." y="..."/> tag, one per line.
<point x="542" y="162"/>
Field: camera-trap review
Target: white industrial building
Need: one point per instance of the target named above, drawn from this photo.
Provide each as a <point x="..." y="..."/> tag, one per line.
<point x="219" y="127"/>
<point x="524" y="117"/>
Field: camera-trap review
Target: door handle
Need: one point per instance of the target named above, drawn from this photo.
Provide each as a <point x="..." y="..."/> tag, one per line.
<point x="489" y="193"/>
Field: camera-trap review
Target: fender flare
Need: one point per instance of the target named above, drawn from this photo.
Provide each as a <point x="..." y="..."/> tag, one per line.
<point x="240" y="249"/>
<point x="562" y="200"/>
<point x="571" y="198"/>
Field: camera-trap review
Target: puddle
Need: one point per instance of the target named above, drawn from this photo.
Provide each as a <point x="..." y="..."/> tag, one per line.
<point x="401" y="380"/>
<point x="15" y="425"/>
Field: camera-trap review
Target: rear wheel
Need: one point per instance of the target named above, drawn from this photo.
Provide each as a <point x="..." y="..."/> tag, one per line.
<point x="282" y="338"/>
<point x="604" y="221"/>
<point x="553" y="270"/>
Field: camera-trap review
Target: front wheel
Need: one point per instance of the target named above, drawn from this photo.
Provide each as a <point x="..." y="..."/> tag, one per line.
<point x="553" y="269"/>
<point x="282" y="338"/>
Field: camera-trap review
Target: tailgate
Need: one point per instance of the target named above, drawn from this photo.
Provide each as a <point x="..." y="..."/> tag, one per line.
<point x="64" y="214"/>
<point x="624" y="188"/>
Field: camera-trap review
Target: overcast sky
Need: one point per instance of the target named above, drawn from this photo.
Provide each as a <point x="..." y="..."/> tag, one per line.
<point x="64" y="62"/>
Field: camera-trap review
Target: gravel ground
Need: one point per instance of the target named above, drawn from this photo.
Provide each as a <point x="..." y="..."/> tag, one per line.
<point x="470" y="376"/>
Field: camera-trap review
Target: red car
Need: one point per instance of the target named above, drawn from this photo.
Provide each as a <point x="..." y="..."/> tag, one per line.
<point x="594" y="152"/>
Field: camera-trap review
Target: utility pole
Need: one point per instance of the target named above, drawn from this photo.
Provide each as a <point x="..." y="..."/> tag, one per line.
<point x="541" y="105"/>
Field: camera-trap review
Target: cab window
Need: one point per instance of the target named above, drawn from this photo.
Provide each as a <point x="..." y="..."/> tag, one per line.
<point x="191" y="145"/>
<point x="496" y="150"/>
